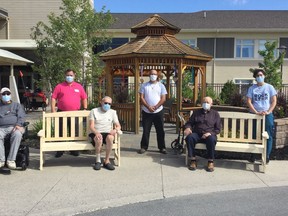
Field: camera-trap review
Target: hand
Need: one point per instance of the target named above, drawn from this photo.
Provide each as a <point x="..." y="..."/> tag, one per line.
<point x="187" y="131"/>
<point x="17" y="127"/>
<point x="98" y="136"/>
<point x="113" y="132"/>
<point x="151" y="108"/>
<point x="204" y="136"/>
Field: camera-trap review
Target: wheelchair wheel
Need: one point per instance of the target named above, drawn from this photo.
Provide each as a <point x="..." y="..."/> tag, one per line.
<point x="44" y="106"/>
<point x="26" y="105"/>
<point x="23" y="166"/>
<point x="174" y="143"/>
<point x="177" y="147"/>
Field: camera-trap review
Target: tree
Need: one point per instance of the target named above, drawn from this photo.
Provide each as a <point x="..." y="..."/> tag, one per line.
<point x="271" y="65"/>
<point x="68" y="41"/>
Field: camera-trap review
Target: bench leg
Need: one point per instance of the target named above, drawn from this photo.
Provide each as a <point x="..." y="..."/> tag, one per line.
<point x="41" y="160"/>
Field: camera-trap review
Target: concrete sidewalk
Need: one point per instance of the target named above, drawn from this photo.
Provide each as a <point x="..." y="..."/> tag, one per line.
<point x="69" y="185"/>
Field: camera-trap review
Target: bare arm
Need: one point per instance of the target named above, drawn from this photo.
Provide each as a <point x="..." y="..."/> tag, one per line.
<point x="250" y="105"/>
<point x="84" y="103"/>
<point x="273" y="104"/>
<point x="53" y="105"/>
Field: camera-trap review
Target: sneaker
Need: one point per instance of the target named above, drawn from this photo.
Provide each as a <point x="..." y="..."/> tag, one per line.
<point x="109" y="166"/>
<point x="193" y="165"/>
<point x="75" y="153"/>
<point x="11" y="164"/>
<point x="59" y="154"/>
<point x="97" y="166"/>
<point x="210" y="167"/>
<point x="2" y="164"/>
<point x="141" y="151"/>
<point x="163" y="151"/>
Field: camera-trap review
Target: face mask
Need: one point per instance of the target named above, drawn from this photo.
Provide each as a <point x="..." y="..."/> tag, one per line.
<point x="153" y="77"/>
<point x="6" y="98"/>
<point x="69" y="79"/>
<point x="106" y="107"/>
<point x="260" y="79"/>
<point x="206" y="106"/>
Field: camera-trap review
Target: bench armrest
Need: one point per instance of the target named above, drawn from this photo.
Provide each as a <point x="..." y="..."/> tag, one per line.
<point x="265" y="135"/>
<point x="40" y="133"/>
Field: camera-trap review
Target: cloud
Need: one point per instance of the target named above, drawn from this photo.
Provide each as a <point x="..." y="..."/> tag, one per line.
<point x="239" y="2"/>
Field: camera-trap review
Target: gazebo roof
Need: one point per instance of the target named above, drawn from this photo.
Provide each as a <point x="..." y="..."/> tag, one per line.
<point x="156" y="36"/>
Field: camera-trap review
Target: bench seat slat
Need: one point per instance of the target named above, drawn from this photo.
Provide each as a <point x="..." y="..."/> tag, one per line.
<point x="234" y="147"/>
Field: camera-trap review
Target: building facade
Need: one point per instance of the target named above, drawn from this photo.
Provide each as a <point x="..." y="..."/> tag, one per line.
<point x="233" y="38"/>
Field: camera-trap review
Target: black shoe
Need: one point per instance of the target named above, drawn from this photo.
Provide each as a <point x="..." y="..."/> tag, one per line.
<point x="59" y="154"/>
<point x="75" y="153"/>
<point x="141" y="151"/>
<point x="267" y="161"/>
<point x="109" y="166"/>
<point x="163" y="151"/>
<point x="97" y="166"/>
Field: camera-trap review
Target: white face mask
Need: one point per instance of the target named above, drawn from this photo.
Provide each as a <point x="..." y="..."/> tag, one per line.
<point x="206" y="106"/>
<point x="153" y="77"/>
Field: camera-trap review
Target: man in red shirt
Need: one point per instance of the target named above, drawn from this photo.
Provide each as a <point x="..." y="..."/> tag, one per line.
<point x="68" y="96"/>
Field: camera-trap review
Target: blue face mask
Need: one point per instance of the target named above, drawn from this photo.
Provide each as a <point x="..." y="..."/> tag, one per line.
<point x="260" y="79"/>
<point x="69" y="79"/>
<point x="206" y="106"/>
<point x="106" y="107"/>
<point x="6" y="98"/>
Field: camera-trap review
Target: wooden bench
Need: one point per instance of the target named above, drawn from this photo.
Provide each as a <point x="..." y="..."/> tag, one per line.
<point x="237" y="135"/>
<point x="50" y="140"/>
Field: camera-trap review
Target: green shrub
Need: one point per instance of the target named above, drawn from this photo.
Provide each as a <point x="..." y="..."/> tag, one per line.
<point x="229" y="89"/>
<point x="36" y="127"/>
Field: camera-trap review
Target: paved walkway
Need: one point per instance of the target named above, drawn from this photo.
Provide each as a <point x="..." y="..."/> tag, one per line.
<point x="69" y="185"/>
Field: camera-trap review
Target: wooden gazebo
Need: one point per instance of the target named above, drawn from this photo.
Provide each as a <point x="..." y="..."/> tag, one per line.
<point x="155" y="47"/>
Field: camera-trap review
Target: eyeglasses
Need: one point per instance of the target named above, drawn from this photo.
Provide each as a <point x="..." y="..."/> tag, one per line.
<point x="107" y="103"/>
<point x="6" y="93"/>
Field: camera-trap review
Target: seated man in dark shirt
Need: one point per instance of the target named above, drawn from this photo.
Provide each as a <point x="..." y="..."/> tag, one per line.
<point x="203" y="126"/>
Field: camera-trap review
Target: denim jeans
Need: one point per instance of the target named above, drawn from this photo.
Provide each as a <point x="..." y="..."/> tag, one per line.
<point x="147" y="120"/>
<point x="194" y="138"/>
<point x="269" y="127"/>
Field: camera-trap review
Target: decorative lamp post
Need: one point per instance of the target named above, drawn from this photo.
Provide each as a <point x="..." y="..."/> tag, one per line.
<point x="282" y="49"/>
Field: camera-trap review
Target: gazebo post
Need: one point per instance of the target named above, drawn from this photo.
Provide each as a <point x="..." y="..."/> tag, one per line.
<point x="196" y="84"/>
<point x="109" y="78"/>
<point x="137" y="97"/>
<point x="179" y="94"/>
<point x="203" y="83"/>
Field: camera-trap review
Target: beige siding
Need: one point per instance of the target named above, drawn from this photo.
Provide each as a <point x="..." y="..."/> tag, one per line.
<point x="24" y="14"/>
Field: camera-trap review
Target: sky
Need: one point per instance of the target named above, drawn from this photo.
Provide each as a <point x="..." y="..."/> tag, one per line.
<point x="186" y="6"/>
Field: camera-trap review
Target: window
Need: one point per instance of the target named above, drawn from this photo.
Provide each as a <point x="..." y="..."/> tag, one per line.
<point x="190" y="42"/>
<point x="206" y="45"/>
<point x="244" y="48"/>
<point x="224" y="47"/>
<point x="243" y="81"/>
<point x="116" y="42"/>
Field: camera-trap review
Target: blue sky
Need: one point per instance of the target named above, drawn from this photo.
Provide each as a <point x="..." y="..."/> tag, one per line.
<point x="170" y="6"/>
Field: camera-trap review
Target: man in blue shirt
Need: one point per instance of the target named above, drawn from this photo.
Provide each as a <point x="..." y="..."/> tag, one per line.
<point x="261" y="100"/>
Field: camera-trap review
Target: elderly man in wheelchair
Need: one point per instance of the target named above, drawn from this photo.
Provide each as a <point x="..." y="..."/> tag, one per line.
<point x="12" y="117"/>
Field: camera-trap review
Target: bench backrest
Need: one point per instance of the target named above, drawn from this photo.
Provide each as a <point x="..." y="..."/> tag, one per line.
<point x="238" y="127"/>
<point x="75" y="125"/>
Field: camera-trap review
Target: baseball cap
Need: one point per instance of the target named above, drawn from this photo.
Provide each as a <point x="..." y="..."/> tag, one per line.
<point x="5" y="89"/>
